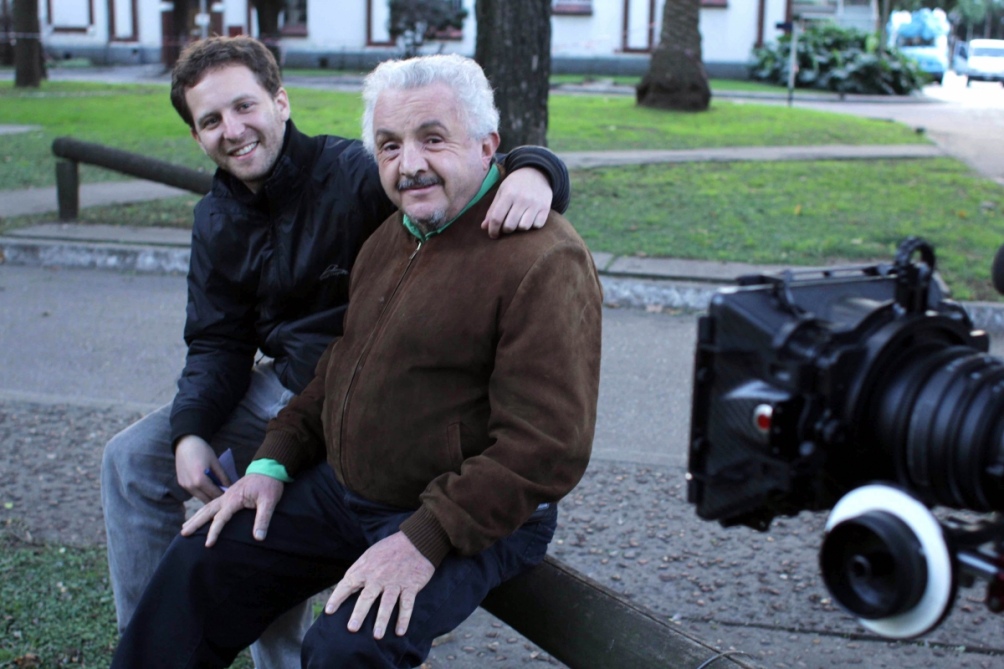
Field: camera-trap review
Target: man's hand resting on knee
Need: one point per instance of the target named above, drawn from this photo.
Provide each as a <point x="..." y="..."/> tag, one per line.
<point x="392" y="570"/>
<point x="254" y="491"/>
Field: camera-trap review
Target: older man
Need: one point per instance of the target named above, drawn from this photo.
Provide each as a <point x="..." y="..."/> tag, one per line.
<point x="430" y="450"/>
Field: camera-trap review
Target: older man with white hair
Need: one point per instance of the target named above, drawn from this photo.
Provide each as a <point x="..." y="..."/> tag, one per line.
<point x="429" y="452"/>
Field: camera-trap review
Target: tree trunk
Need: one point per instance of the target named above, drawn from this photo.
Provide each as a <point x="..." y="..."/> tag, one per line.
<point x="514" y="48"/>
<point x="29" y="67"/>
<point x="268" y="18"/>
<point x="268" y="25"/>
<point x="676" y="78"/>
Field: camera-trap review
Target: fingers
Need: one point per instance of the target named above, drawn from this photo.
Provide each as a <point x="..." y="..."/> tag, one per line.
<point x="512" y="219"/>
<point x="493" y="221"/>
<point x="221" y="474"/>
<point x="262" y="518"/>
<point x="342" y="592"/>
<point x="220" y="520"/>
<point x="206" y="491"/>
<point x="201" y="517"/>
<point x="389" y="597"/>
<point x="404" y="610"/>
<point x="362" y="608"/>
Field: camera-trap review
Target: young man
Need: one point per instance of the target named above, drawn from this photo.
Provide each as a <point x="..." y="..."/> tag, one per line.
<point x="440" y="431"/>
<point x="272" y="246"/>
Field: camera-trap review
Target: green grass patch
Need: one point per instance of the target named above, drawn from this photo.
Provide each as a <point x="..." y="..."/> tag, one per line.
<point x="818" y="213"/>
<point x="139" y="118"/>
<point x="57" y="608"/>
<point x="598" y="122"/>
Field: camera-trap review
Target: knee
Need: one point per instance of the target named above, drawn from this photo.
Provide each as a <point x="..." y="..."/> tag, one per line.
<point x="113" y="457"/>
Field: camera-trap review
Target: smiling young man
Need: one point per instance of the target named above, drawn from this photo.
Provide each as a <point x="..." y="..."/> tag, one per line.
<point x="441" y="429"/>
<point x="272" y="246"/>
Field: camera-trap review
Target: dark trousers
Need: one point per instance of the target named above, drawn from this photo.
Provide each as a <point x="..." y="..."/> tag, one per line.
<point x="204" y="605"/>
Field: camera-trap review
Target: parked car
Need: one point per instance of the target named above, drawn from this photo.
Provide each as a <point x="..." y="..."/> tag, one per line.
<point x="980" y="60"/>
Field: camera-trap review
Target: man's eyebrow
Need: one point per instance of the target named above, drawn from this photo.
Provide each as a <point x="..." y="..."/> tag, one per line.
<point x="434" y="124"/>
<point x="381" y="133"/>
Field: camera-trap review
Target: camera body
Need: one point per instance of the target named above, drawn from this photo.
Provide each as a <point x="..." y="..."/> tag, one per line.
<point x="812" y="386"/>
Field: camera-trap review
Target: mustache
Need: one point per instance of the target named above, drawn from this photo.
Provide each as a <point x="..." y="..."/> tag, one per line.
<point x="407" y="183"/>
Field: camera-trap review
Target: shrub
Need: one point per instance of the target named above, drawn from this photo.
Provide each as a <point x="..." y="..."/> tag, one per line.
<point x="844" y="60"/>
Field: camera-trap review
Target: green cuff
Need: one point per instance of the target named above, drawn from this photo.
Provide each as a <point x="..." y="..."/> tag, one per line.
<point x="269" y="467"/>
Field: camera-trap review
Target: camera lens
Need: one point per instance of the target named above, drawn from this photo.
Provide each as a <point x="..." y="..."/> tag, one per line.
<point x="939" y="414"/>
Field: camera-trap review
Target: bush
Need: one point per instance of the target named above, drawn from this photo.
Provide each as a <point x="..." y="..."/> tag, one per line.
<point x="844" y="60"/>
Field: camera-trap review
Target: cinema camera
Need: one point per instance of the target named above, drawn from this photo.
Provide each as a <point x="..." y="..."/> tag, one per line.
<point x="866" y="391"/>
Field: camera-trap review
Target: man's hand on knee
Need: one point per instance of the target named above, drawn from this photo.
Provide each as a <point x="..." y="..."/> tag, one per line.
<point x="192" y="458"/>
<point x="254" y="491"/>
<point x="392" y="570"/>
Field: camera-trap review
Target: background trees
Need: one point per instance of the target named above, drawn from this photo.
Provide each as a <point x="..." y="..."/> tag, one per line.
<point x="514" y="48"/>
<point x="676" y="78"/>
<point x="29" y="66"/>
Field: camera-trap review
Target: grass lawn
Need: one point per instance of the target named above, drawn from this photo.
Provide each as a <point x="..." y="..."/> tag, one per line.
<point x="56" y="607"/>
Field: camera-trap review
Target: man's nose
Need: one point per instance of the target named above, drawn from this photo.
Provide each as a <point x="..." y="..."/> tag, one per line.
<point x="412" y="158"/>
<point x="233" y="127"/>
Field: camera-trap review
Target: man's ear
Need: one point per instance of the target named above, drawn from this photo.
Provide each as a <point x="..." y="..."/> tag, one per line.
<point x="282" y="102"/>
<point x="489" y="145"/>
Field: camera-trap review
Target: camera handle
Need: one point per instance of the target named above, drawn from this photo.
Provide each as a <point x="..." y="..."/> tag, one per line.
<point x="913" y="279"/>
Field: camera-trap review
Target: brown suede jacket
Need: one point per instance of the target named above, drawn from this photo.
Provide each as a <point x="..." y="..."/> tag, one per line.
<point x="465" y="384"/>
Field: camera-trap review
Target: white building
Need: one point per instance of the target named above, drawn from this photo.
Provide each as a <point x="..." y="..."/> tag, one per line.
<point x="588" y="36"/>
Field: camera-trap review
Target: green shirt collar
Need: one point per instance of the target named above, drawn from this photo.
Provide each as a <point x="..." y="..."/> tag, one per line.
<point x="491" y="179"/>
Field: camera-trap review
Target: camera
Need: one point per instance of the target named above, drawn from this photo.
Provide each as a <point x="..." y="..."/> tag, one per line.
<point x="865" y="391"/>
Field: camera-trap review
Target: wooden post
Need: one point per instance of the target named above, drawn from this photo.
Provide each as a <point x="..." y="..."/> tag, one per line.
<point x="68" y="189"/>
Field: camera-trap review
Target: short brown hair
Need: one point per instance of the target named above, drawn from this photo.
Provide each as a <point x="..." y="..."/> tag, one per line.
<point x="212" y="53"/>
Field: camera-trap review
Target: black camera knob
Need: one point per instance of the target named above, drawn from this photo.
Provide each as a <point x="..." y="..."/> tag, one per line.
<point x="885" y="560"/>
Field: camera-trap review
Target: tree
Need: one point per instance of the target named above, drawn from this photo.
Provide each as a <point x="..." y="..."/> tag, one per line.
<point x="268" y="25"/>
<point x="29" y="66"/>
<point x="676" y="78"/>
<point x="416" y="21"/>
<point x="514" y="47"/>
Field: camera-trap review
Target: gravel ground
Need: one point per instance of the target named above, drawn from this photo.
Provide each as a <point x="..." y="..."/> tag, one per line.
<point x="626" y="526"/>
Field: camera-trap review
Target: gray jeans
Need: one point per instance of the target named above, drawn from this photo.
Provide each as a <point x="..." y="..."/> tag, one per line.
<point x="144" y="506"/>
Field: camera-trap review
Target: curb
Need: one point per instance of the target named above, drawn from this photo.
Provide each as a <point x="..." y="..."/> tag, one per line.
<point x="627" y="282"/>
<point x="620" y="290"/>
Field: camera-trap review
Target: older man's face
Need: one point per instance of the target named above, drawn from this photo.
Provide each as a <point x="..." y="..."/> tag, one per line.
<point x="429" y="165"/>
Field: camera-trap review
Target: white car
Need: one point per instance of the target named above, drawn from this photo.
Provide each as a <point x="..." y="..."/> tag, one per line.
<point x="980" y="60"/>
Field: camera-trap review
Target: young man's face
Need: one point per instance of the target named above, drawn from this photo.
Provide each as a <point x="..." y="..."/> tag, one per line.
<point x="237" y="123"/>
<point x="429" y="165"/>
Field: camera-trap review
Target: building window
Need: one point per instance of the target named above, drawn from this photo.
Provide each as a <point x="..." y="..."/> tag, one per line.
<point x="573" y="7"/>
<point x="714" y="3"/>
<point x="294" y="18"/>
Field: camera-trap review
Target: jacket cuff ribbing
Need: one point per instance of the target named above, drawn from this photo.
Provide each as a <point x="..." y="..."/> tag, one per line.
<point x="190" y="421"/>
<point x="282" y="447"/>
<point x="428" y="536"/>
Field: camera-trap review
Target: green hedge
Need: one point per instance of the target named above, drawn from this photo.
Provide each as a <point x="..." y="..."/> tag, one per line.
<point x="844" y="60"/>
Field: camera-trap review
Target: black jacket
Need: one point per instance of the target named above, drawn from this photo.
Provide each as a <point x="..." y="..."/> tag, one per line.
<point x="269" y="270"/>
